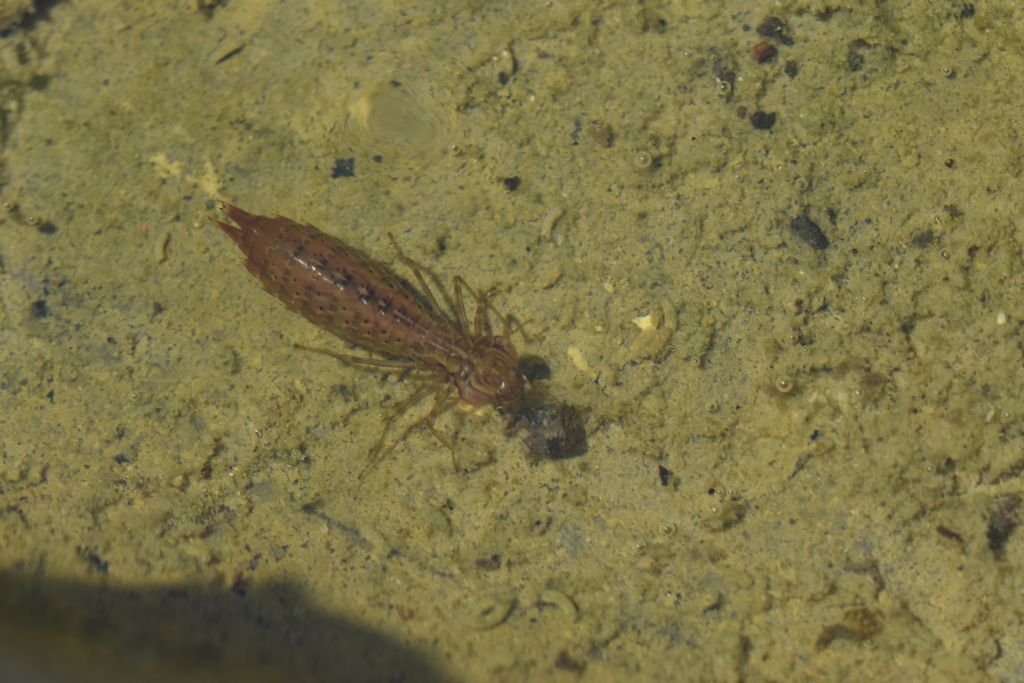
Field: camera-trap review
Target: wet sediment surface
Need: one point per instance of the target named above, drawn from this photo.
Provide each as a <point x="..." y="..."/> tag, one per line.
<point x="774" y="263"/>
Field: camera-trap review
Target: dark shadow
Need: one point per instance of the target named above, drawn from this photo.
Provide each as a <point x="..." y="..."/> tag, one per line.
<point x="54" y="630"/>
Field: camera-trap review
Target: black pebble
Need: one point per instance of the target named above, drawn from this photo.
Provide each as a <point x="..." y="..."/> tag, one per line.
<point x="553" y="431"/>
<point x="773" y="27"/>
<point x="344" y="168"/>
<point x="763" y="120"/>
<point x="807" y="230"/>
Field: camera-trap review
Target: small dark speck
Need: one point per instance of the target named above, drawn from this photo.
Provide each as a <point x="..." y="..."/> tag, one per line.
<point x="854" y="61"/>
<point x="567" y="662"/>
<point x="229" y="54"/>
<point x="791" y="69"/>
<point x="950" y="534"/>
<point x="511" y="183"/>
<point x="771" y="27"/>
<point x="489" y="564"/>
<point x="575" y="134"/>
<point x="254" y="563"/>
<point x="717" y="605"/>
<point x="39" y="309"/>
<point x="377" y="158"/>
<point x="776" y="29"/>
<point x="808" y="231"/>
<point x="664" y="475"/>
<point x="503" y="78"/>
<point x="95" y="560"/>
<point x="344" y="168"/>
<point x="240" y="585"/>
<point x="47" y="228"/>
<point x="1002" y="523"/>
<point x="923" y="239"/>
<point x="763" y="120"/>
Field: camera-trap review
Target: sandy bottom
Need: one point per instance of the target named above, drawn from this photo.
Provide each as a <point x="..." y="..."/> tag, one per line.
<point x="783" y="282"/>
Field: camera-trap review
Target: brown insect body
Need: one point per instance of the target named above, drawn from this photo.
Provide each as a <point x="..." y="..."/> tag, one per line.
<point x="358" y="299"/>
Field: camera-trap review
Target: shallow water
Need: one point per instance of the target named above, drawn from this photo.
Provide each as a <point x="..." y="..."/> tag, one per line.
<point x="803" y="463"/>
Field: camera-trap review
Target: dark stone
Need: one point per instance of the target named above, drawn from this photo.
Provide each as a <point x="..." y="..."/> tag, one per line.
<point x="808" y="231"/>
<point x="344" y="168"/>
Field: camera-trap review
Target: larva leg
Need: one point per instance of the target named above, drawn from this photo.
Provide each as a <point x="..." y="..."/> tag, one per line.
<point x="380" y="449"/>
<point x="458" y="285"/>
<point x="362" y="360"/>
<point x="416" y="272"/>
<point x="442" y="402"/>
<point x="483" y="305"/>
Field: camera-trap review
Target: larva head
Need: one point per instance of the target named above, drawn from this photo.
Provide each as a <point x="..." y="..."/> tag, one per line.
<point x="490" y="376"/>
